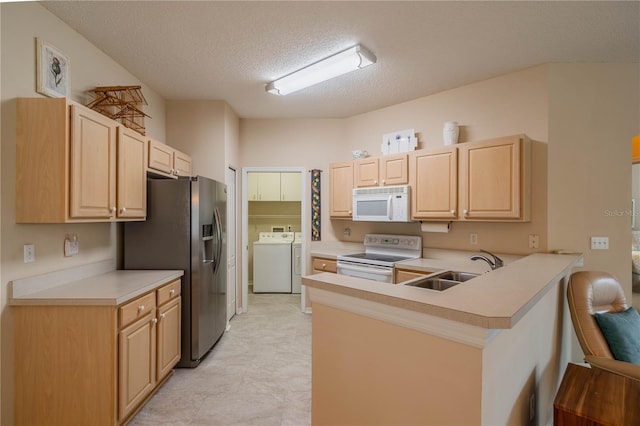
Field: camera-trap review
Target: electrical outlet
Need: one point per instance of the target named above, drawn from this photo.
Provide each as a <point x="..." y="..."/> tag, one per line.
<point x="599" y="243"/>
<point x="29" y="253"/>
<point x="473" y="239"/>
<point x="533" y="241"/>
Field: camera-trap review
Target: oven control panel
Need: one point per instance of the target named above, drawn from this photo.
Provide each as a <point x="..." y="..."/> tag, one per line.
<point x="397" y="242"/>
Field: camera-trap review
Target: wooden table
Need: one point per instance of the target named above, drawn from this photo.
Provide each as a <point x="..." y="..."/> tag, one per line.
<point x="590" y="397"/>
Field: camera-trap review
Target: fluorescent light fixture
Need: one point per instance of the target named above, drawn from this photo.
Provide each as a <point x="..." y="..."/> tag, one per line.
<point x="341" y="63"/>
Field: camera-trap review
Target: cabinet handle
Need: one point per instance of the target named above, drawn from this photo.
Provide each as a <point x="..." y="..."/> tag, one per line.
<point x="176" y="172"/>
<point x="141" y="308"/>
<point x="466" y="212"/>
<point x="453" y="212"/>
<point x="324" y="266"/>
<point x="172" y="171"/>
<point x="375" y="182"/>
<point x="113" y="209"/>
<point x="384" y="181"/>
<point x="123" y="210"/>
<point x="162" y="316"/>
<point x="173" y="290"/>
<point x="154" y="320"/>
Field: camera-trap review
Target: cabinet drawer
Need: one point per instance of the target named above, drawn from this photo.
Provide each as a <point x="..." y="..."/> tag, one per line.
<point x="168" y="292"/>
<point x="324" y="265"/>
<point x="137" y="309"/>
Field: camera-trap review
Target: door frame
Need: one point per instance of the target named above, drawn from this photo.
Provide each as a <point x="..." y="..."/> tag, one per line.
<point x="232" y="235"/>
<point x="304" y="223"/>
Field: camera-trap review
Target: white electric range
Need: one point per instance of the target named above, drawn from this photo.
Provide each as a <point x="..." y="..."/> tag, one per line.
<point x="382" y="252"/>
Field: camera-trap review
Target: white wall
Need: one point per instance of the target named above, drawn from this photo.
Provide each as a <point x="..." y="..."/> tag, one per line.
<point x="21" y="24"/>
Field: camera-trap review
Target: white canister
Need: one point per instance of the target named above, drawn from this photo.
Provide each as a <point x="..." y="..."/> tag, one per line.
<point x="450" y="132"/>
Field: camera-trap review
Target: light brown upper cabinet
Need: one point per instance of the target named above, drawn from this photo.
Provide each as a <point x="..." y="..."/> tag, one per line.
<point x="495" y="179"/>
<point x="132" y="183"/>
<point x="366" y="172"/>
<point x="394" y="169"/>
<point x="167" y="161"/>
<point x="74" y="165"/>
<point x="434" y="183"/>
<point x="340" y="190"/>
<point x="381" y="171"/>
<point x="486" y="180"/>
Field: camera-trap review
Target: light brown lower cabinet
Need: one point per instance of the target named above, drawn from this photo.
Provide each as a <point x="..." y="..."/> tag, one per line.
<point x="321" y="264"/>
<point x="94" y="365"/>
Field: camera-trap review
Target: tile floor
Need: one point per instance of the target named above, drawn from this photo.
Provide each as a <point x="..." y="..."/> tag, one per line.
<point x="259" y="373"/>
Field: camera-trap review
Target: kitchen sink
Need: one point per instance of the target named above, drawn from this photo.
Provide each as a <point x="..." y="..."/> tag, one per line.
<point x="455" y="276"/>
<point x="442" y="281"/>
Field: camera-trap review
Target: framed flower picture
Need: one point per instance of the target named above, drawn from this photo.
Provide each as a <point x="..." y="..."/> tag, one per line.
<point x="52" y="71"/>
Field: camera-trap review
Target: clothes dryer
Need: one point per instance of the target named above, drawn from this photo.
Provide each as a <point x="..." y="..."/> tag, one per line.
<point x="272" y="262"/>
<point x="296" y="263"/>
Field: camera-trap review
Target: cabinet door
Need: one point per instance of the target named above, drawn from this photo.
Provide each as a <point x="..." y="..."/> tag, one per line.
<point x="269" y="186"/>
<point x="290" y="187"/>
<point x="168" y="336"/>
<point x="252" y="186"/>
<point x="340" y="189"/>
<point x="181" y="164"/>
<point x="93" y="165"/>
<point x="366" y="172"/>
<point x="137" y="356"/>
<point x="491" y="178"/>
<point x="434" y="184"/>
<point x="132" y="176"/>
<point x="161" y="158"/>
<point x="394" y="169"/>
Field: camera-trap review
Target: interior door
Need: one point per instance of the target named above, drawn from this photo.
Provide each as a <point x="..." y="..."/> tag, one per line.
<point x="231" y="243"/>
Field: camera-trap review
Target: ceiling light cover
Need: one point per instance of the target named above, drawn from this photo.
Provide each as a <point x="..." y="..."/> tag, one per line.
<point x="341" y="63"/>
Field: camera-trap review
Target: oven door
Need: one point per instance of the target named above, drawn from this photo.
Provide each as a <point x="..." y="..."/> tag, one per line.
<point x="370" y="272"/>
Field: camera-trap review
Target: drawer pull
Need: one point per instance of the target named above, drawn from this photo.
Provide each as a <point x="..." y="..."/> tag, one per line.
<point x="141" y="308"/>
<point x="172" y="291"/>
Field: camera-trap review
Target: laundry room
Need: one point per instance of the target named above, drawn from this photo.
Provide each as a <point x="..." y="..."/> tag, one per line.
<point x="274" y="231"/>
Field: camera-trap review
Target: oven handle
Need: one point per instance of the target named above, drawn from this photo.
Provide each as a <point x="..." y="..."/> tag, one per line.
<point x="369" y="269"/>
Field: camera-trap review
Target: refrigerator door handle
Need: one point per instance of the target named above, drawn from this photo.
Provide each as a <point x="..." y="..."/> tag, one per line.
<point x="218" y="224"/>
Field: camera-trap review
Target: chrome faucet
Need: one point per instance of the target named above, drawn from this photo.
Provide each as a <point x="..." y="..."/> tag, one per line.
<point x="495" y="263"/>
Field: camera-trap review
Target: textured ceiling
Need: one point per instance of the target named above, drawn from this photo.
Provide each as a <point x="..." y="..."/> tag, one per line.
<point x="230" y="50"/>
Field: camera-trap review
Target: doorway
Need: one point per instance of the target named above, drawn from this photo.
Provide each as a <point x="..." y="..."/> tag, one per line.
<point x="232" y="282"/>
<point x="265" y="216"/>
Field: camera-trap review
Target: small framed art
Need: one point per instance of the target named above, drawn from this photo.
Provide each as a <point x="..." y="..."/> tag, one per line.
<point x="52" y="71"/>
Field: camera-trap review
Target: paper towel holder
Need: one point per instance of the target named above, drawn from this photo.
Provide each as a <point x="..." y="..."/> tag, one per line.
<point x="435" y="226"/>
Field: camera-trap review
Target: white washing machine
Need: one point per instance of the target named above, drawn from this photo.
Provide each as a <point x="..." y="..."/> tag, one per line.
<point x="296" y="263"/>
<point x="272" y="262"/>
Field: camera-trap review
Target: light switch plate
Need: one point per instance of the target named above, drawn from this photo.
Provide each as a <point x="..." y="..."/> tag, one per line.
<point x="29" y="253"/>
<point x="71" y="245"/>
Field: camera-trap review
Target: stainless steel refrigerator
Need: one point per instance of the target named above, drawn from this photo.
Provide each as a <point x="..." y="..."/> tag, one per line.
<point x="186" y="229"/>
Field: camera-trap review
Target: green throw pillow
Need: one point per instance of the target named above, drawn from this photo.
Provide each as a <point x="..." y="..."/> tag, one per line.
<point x="622" y="332"/>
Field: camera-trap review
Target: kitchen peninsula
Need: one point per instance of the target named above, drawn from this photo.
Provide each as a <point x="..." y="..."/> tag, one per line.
<point x="486" y="351"/>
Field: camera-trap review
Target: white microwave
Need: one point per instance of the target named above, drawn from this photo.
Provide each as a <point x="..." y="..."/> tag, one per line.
<point x="382" y="204"/>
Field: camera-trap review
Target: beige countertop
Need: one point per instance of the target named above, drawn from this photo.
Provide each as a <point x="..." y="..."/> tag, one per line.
<point x="333" y="249"/>
<point x="110" y="288"/>
<point x="493" y="300"/>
